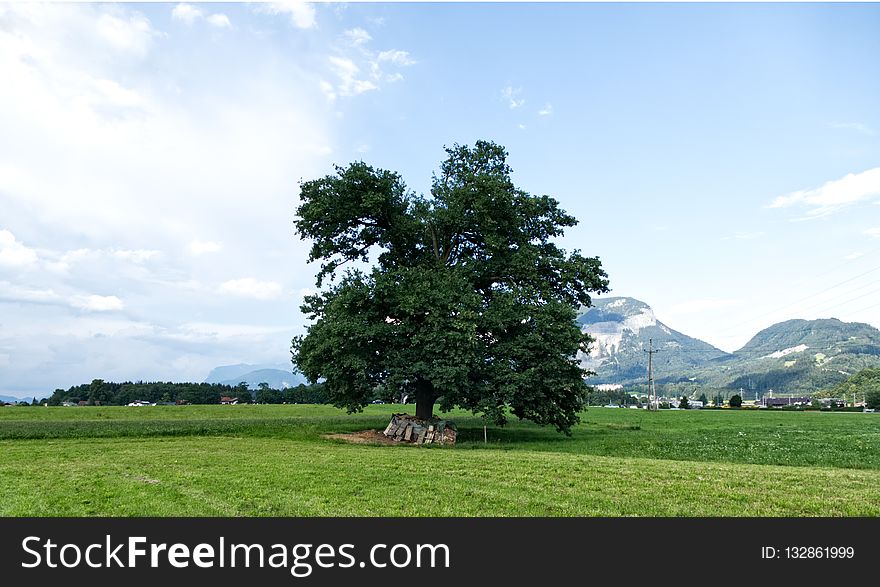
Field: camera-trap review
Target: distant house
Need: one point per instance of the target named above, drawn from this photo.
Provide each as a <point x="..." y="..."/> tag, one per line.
<point x="139" y="402"/>
<point x="775" y="402"/>
<point x="228" y="401"/>
<point x="68" y="404"/>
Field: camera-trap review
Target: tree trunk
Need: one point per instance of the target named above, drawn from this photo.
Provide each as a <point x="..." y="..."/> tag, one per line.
<point x="424" y="404"/>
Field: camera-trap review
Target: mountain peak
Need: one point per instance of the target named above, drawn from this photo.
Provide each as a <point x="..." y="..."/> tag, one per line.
<point x="822" y="334"/>
<point x="618" y="309"/>
<point x="621" y="328"/>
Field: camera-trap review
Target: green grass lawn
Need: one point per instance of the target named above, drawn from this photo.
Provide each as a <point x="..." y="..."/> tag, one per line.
<point x="274" y="460"/>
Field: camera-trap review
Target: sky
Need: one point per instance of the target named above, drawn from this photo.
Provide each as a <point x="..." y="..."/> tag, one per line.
<point x="723" y="161"/>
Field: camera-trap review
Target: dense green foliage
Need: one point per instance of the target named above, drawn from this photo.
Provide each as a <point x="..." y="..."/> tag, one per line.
<point x="619" y="397"/>
<point x="108" y="393"/>
<point x="735" y="401"/>
<point x="864" y="383"/>
<point x="468" y="302"/>
<point x="175" y="461"/>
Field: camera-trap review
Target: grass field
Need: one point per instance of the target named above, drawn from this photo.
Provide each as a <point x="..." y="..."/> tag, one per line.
<point x="275" y="461"/>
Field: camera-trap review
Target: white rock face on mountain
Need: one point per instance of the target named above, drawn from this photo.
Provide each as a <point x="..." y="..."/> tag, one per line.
<point x="609" y="334"/>
<point x="795" y="349"/>
<point x="621" y="328"/>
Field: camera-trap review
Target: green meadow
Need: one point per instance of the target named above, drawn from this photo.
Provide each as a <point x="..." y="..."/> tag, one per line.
<point x="275" y="460"/>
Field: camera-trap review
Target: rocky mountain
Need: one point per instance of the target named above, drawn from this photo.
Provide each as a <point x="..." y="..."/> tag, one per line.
<point x="795" y="356"/>
<point x="828" y="336"/>
<point x="622" y="328"/>
<point x="277" y="376"/>
<point x="798" y="356"/>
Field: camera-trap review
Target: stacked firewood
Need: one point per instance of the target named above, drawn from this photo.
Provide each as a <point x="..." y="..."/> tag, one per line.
<point x="406" y="428"/>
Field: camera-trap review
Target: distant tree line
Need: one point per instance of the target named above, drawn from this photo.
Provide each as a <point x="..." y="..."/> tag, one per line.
<point x="301" y="394"/>
<point x="597" y="397"/>
<point x="108" y="393"/>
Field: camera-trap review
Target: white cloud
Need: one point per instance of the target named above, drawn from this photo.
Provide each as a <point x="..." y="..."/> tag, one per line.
<point x="357" y="36"/>
<point x="111" y="92"/>
<point x="856" y="126"/>
<point x="302" y="14"/>
<point x="96" y="303"/>
<point x="397" y="57"/>
<point x="186" y="13"/>
<point x="510" y="94"/>
<point x="198" y="247"/>
<point x="134" y="34"/>
<point x="547" y="110"/>
<point x="219" y="20"/>
<point x="835" y="194"/>
<point x="135" y="256"/>
<point x="249" y="287"/>
<point x="144" y="157"/>
<point x="347" y="71"/>
<point x="854" y="255"/>
<point x="14" y="253"/>
<point x="13" y="293"/>
<point x="873" y="232"/>
<point x="61" y="262"/>
<point x="354" y="57"/>
<point x="327" y="89"/>
<point x="521" y="126"/>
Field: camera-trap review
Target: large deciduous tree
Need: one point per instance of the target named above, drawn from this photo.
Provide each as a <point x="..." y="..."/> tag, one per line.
<point x="460" y="297"/>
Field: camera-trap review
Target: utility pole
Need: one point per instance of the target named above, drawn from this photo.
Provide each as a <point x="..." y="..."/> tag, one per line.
<point x="652" y="397"/>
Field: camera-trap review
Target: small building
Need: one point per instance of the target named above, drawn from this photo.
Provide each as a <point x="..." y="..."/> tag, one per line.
<point x="775" y="402"/>
<point x="228" y="401"/>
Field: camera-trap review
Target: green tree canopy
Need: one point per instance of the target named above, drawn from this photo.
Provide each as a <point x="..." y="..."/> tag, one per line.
<point x="467" y="299"/>
<point x="866" y="383"/>
<point x="735" y="401"/>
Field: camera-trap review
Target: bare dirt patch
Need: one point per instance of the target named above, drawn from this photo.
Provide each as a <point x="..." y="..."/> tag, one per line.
<point x="363" y="437"/>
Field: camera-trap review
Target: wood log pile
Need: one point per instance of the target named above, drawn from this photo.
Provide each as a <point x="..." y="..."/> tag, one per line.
<point x="406" y="428"/>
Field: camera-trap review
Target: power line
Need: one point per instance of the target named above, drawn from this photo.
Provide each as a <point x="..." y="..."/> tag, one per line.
<point x="791" y="304"/>
<point x="871" y="307"/>
<point x="846" y="301"/>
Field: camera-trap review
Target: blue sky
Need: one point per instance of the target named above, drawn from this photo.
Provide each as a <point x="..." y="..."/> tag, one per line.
<point x="724" y="161"/>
